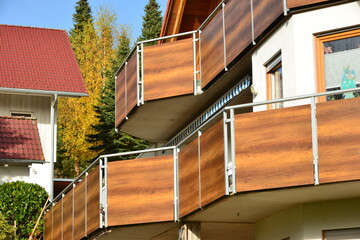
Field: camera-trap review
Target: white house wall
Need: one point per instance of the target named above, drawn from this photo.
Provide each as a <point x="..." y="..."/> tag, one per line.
<point x="14" y="173"/>
<point x="307" y="221"/>
<point x="295" y="40"/>
<point x="39" y="107"/>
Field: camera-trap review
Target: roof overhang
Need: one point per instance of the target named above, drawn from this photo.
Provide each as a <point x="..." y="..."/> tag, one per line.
<point x="42" y="92"/>
<point x="22" y="161"/>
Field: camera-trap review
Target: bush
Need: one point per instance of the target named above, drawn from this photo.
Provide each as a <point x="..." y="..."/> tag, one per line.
<point x="22" y="202"/>
<point x="6" y="230"/>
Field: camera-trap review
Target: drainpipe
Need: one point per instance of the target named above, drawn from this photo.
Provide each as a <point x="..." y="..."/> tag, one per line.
<point x="53" y="111"/>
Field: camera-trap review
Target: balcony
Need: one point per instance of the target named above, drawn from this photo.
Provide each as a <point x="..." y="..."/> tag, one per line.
<point x="210" y="60"/>
<point x="238" y="167"/>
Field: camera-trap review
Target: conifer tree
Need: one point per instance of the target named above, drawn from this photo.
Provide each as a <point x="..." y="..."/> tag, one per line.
<point x="152" y="20"/>
<point x="109" y="140"/>
<point x="81" y="17"/>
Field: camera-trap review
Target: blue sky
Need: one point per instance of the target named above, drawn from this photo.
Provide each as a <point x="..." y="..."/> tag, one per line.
<point x="58" y="13"/>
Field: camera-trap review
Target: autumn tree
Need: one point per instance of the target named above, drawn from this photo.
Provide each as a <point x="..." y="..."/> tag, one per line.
<point x="93" y="47"/>
<point x="109" y="140"/>
<point x="152" y="20"/>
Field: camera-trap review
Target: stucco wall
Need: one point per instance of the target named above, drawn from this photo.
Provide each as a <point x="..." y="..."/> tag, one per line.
<point x="282" y="225"/>
<point x="307" y="221"/>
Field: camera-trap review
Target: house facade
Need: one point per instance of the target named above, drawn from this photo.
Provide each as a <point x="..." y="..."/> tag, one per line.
<point x="37" y="66"/>
<point x="253" y="111"/>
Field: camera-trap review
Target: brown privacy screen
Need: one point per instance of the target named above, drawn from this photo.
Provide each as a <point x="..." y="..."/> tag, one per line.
<point x="201" y="170"/>
<point x="141" y="190"/>
<point x="168" y="69"/>
<point x="77" y="214"/>
<point x="273" y="149"/>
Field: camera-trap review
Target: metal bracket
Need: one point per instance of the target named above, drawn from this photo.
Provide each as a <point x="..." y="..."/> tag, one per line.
<point x="314" y="134"/>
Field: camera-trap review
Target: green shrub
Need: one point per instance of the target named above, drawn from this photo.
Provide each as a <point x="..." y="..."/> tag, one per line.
<point x="6" y="230"/>
<point x="22" y="202"/>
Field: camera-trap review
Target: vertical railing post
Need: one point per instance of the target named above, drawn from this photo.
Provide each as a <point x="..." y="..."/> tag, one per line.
<point x="73" y="210"/>
<point x="285" y="8"/>
<point x="314" y="134"/>
<point x="199" y="166"/>
<point x="200" y="63"/>
<point x="194" y="64"/>
<point x="224" y="33"/>
<point x="226" y="153"/>
<point x="86" y="202"/>
<point x="105" y="198"/>
<point x="142" y="73"/>
<point x="252" y="22"/>
<point x="138" y="75"/>
<point x="125" y="87"/>
<point x="232" y="150"/>
<point x="176" y="184"/>
<point x="62" y="216"/>
<point x="100" y="193"/>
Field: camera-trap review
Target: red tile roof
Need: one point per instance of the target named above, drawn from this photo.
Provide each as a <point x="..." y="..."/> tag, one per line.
<point x="19" y="139"/>
<point x="38" y="59"/>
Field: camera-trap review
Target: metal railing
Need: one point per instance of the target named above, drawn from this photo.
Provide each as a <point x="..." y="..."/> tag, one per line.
<point x="102" y="162"/>
<point x="228" y="116"/>
<point x="196" y="35"/>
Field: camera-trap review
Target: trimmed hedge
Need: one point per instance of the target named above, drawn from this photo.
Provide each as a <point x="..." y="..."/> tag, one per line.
<point x="22" y="202"/>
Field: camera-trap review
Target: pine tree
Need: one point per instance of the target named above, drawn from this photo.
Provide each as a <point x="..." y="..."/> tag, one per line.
<point x="81" y="17"/>
<point x="111" y="141"/>
<point x="151" y="25"/>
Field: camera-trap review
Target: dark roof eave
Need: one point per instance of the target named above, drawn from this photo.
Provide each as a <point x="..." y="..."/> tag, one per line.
<point x="43" y="92"/>
<point x="27" y="161"/>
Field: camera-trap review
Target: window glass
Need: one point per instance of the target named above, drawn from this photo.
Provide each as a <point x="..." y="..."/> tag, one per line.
<point x="275" y="84"/>
<point x="342" y="65"/>
<point x="342" y="234"/>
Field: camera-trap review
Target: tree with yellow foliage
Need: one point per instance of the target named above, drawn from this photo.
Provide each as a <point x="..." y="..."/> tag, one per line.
<point x="94" y="46"/>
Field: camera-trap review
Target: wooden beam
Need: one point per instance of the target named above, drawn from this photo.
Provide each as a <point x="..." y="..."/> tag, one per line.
<point x="179" y="14"/>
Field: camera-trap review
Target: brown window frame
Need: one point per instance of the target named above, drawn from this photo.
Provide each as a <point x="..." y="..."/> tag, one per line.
<point x="271" y="67"/>
<point x="319" y="48"/>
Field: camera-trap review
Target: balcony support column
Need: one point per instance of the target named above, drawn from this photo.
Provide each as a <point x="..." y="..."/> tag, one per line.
<point x="190" y="231"/>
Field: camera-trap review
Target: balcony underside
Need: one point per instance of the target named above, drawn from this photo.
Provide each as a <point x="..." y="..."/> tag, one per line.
<point x="249" y="207"/>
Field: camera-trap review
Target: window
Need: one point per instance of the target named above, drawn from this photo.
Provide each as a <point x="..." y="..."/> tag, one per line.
<point x="342" y="234"/>
<point x="274" y="80"/>
<point x="20" y="114"/>
<point x="338" y="62"/>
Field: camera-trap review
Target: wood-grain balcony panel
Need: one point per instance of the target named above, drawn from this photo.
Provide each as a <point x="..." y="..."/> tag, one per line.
<point x="68" y="215"/>
<point x="299" y="3"/>
<point x="212" y="50"/>
<point x="48" y="225"/>
<point x="120" y="97"/>
<point x="168" y="69"/>
<point x="265" y="13"/>
<point x="131" y="84"/>
<point x="79" y="210"/>
<point x="140" y="190"/>
<point x="57" y="220"/>
<point x="237" y="28"/>
<point x="212" y="171"/>
<point x="93" y="201"/>
<point x="339" y="144"/>
<point x="189" y="179"/>
<point x="273" y="149"/>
